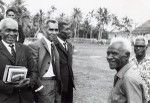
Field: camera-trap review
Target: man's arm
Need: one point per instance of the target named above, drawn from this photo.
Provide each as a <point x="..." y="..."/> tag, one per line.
<point x="32" y="67"/>
<point x="35" y="55"/>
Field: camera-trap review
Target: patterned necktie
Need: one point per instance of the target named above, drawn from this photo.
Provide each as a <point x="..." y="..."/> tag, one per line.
<point x="13" y="53"/>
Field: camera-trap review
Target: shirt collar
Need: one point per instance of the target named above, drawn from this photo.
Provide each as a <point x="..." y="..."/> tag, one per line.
<point x="47" y="41"/>
<point x="143" y="60"/>
<point x="123" y="70"/>
<point x="60" y="40"/>
<point x="6" y="44"/>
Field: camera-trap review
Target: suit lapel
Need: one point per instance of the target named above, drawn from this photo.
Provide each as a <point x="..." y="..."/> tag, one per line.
<point x="45" y="44"/>
<point x="59" y="45"/>
<point x="42" y="53"/>
<point x="5" y="52"/>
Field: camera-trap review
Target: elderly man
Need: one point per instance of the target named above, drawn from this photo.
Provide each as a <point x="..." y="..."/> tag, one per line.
<point x="16" y="54"/>
<point x="11" y="13"/>
<point x="128" y="85"/>
<point x="65" y="50"/>
<point x="142" y="61"/>
<point x="47" y="58"/>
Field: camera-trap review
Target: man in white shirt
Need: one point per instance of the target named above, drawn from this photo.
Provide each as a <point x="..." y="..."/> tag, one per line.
<point x="47" y="58"/>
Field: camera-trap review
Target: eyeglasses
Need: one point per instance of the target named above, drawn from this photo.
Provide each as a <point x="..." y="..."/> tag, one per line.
<point x="53" y="29"/>
<point x="141" y="46"/>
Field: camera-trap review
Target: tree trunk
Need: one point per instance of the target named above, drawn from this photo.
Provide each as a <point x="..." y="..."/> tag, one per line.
<point x="90" y="33"/>
<point x="75" y="32"/>
<point x="99" y="34"/>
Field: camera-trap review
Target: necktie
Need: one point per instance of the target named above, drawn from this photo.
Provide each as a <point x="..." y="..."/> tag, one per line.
<point x="65" y="46"/>
<point x="115" y="79"/>
<point x="13" y="53"/>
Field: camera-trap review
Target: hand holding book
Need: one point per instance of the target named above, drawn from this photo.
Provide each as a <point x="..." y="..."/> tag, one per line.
<point x="14" y="74"/>
<point x="17" y="78"/>
<point x="23" y="82"/>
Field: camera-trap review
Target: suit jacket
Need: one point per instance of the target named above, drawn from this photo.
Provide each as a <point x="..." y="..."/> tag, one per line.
<point x="9" y="94"/>
<point x="42" y="56"/>
<point x="65" y="64"/>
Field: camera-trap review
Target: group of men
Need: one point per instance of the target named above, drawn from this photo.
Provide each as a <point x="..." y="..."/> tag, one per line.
<point x="48" y="60"/>
<point x="132" y="80"/>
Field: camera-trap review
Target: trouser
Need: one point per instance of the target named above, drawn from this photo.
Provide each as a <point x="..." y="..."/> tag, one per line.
<point x="67" y="97"/>
<point x="49" y="93"/>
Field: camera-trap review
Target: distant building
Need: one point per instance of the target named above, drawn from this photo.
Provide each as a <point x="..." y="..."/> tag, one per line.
<point x="143" y="29"/>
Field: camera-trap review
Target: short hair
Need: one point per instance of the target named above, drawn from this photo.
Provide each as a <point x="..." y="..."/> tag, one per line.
<point x="141" y="37"/>
<point x="50" y="21"/>
<point x="61" y="25"/>
<point x="11" y="9"/>
<point x="7" y="20"/>
<point x="126" y="43"/>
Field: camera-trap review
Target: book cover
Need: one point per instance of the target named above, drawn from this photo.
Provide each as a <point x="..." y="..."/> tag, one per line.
<point x="14" y="74"/>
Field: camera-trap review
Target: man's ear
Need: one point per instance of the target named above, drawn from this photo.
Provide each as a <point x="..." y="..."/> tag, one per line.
<point x="146" y="47"/>
<point x="127" y="55"/>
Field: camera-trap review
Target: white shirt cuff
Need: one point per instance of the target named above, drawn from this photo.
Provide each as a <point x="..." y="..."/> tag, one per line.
<point x="38" y="89"/>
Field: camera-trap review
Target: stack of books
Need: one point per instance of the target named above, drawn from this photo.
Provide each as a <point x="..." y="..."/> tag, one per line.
<point x="13" y="74"/>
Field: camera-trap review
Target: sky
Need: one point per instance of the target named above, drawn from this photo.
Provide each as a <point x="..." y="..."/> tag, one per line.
<point x="138" y="10"/>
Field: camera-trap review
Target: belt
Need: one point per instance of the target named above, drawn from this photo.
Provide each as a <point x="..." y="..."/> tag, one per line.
<point x="49" y="78"/>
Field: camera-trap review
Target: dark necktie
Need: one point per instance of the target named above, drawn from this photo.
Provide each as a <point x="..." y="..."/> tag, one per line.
<point x="65" y="46"/>
<point x="13" y="53"/>
<point x="115" y="79"/>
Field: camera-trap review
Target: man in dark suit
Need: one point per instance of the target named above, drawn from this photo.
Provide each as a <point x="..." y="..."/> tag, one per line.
<point x="15" y="54"/>
<point x="65" y="50"/>
<point x="11" y="13"/>
<point x="47" y="58"/>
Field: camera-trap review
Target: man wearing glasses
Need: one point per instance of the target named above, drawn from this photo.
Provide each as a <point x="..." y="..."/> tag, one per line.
<point x="47" y="58"/>
<point x="142" y="62"/>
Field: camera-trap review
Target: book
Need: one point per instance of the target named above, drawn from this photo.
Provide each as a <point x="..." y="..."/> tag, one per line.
<point x="13" y="74"/>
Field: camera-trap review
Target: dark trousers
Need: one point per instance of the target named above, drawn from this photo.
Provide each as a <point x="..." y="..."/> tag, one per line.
<point x="67" y="97"/>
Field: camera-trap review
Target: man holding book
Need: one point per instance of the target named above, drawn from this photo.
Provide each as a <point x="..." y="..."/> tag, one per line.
<point x="18" y="89"/>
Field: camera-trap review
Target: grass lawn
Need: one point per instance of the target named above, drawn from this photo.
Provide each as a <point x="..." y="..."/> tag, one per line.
<point x="93" y="78"/>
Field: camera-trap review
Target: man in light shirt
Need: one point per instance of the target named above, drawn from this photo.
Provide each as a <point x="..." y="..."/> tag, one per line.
<point x="128" y="85"/>
<point x="142" y="61"/>
<point x="47" y="58"/>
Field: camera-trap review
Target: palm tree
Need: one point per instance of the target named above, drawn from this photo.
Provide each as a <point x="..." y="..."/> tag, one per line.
<point x="127" y="23"/>
<point x="103" y="18"/>
<point x="91" y="15"/>
<point x="52" y="10"/>
<point x="116" y="23"/>
<point x="76" y="19"/>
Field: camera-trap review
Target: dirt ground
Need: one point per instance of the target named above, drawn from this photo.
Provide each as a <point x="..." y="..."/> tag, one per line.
<point x="93" y="78"/>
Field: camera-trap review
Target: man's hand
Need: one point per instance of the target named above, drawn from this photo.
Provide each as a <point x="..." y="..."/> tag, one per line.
<point x="23" y="82"/>
<point x="16" y="78"/>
